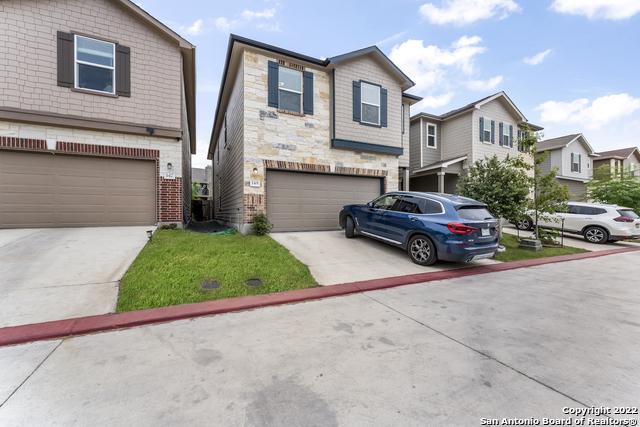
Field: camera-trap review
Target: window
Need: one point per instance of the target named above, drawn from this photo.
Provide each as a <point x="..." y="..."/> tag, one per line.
<point x="486" y="130"/>
<point x="290" y="90"/>
<point x="628" y="213"/>
<point x="430" y="207"/>
<point x="575" y="162"/>
<point x="384" y="202"/>
<point x="95" y="65"/>
<point x="474" y="213"/>
<point x="406" y="205"/>
<point x="505" y="135"/>
<point x="370" y="103"/>
<point x="431" y="135"/>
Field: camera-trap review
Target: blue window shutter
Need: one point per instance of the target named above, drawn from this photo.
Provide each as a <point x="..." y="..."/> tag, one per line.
<point x="493" y="132"/>
<point x="356" y="101"/>
<point x="307" y="92"/>
<point x="511" y="136"/>
<point x="579" y="163"/>
<point x="383" y="107"/>
<point x="481" y="129"/>
<point x="272" y="81"/>
<point x="500" y="133"/>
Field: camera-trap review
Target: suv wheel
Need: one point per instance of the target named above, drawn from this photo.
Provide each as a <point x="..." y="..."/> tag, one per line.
<point x="421" y="250"/>
<point x="524" y="224"/>
<point x="349" y="228"/>
<point x="595" y="234"/>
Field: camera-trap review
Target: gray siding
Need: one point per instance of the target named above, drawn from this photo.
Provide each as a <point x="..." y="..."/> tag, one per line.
<point x="456" y="136"/>
<point x="228" y="168"/>
<point x="577" y="189"/>
<point x="414" y="145"/>
<point x="429" y="154"/>
<point x="496" y="111"/>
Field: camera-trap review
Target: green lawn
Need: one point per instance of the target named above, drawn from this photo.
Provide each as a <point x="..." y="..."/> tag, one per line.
<point x="171" y="268"/>
<point x="514" y="253"/>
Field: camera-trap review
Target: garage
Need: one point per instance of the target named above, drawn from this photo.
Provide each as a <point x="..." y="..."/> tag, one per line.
<point x="298" y="201"/>
<point x="60" y="190"/>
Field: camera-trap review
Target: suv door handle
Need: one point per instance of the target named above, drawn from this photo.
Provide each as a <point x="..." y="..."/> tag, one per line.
<point x="413" y="218"/>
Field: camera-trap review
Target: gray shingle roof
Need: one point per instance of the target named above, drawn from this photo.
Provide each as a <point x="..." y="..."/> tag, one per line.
<point x="621" y="152"/>
<point x="555" y="143"/>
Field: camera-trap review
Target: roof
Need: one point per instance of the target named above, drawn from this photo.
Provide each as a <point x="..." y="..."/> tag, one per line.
<point x="406" y="82"/>
<point x="621" y="153"/>
<point x="477" y="104"/>
<point x="564" y="141"/>
<point x="188" y="51"/>
<point x="441" y="164"/>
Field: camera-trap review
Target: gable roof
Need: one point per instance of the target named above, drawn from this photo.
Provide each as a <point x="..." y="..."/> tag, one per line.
<point x="564" y="141"/>
<point x="318" y="62"/>
<point x="477" y="104"/>
<point x="621" y="153"/>
<point x="188" y="51"/>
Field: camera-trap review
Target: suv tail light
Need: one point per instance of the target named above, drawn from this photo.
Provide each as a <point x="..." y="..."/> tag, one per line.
<point x="459" y="228"/>
<point x="624" y="219"/>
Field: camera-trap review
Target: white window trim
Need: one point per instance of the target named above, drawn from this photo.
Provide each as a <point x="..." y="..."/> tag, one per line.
<point x="362" y="102"/>
<point x="505" y="132"/>
<point x="577" y="162"/>
<point x="486" y="123"/>
<point x="435" y="136"/>
<point x="291" y="90"/>
<point x="76" y="61"/>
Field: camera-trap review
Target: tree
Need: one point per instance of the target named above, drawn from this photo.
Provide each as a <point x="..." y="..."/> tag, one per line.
<point x="502" y="184"/>
<point x="618" y="189"/>
<point x="548" y="196"/>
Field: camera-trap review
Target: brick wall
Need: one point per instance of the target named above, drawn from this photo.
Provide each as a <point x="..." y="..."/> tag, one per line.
<point x="170" y="200"/>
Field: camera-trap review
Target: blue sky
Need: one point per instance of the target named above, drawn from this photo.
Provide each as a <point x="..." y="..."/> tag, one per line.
<point x="570" y="65"/>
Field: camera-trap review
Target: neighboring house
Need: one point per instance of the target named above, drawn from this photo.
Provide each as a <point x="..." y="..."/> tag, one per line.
<point x="298" y="137"/>
<point x="97" y="115"/>
<point x="573" y="157"/>
<point x="201" y="176"/>
<point x="444" y="146"/>
<point x="624" y="159"/>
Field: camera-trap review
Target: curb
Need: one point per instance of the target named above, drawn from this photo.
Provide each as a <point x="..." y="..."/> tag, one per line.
<point x="106" y="322"/>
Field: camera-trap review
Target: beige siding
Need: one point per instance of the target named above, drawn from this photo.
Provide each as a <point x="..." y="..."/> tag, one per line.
<point x="577" y="189"/>
<point x="228" y="159"/>
<point x="456" y="136"/>
<point x="28" y="74"/>
<point x="565" y="169"/>
<point x="496" y="111"/>
<point x="430" y="155"/>
<point x="366" y="68"/>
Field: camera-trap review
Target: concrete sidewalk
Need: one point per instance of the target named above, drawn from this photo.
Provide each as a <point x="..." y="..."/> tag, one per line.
<point x="522" y="343"/>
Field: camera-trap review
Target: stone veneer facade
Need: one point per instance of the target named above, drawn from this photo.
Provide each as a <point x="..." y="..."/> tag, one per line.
<point x="277" y="140"/>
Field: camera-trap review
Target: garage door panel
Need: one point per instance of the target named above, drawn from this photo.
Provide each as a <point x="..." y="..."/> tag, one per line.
<point x="308" y="201"/>
<point x="44" y="190"/>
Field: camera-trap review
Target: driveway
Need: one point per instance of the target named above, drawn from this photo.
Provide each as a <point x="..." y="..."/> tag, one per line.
<point x="57" y="273"/>
<point x="334" y="259"/>
<point x="521" y="343"/>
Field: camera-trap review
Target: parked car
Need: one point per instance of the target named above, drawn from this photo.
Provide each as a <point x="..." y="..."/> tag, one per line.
<point x="597" y="223"/>
<point x="429" y="226"/>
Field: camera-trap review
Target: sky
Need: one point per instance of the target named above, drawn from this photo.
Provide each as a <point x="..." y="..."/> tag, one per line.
<point x="571" y="66"/>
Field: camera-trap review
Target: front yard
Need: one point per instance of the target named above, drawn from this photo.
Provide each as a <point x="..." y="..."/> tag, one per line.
<point x="515" y="253"/>
<point x="172" y="267"/>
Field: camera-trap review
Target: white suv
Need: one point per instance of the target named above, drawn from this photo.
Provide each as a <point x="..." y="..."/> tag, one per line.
<point x="597" y="223"/>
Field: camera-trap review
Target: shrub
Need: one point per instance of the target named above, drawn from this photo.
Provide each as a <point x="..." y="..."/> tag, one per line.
<point x="168" y="227"/>
<point x="260" y="224"/>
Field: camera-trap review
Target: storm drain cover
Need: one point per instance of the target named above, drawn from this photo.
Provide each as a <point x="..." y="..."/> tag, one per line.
<point x="210" y="284"/>
<point x="254" y="282"/>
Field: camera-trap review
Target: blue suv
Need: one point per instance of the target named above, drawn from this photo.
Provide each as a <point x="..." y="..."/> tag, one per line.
<point x="429" y="226"/>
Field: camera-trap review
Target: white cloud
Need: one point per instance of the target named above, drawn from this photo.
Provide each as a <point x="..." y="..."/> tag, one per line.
<point x="591" y="115"/>
<point x="461" y="12"/>
<point x="598" y="9"/>
<point x="258" y="14"/>
<point x="538" y="58"/>
<point x="485" y="85"/>
<point x="262" y="19"/>
<point x="195" y="28"/>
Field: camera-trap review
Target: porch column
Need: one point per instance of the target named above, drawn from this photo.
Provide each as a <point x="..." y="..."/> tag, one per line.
<point x="406" y="179"/>
<point x="440" y="182"/>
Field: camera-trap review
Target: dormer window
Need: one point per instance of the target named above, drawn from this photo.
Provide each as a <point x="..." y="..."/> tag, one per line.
<point x="95" y="65"/>
<point x="370" y="104"/>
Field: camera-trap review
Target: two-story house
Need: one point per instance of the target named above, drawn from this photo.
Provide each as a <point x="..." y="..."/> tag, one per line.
<point x="97" y="115"/>
<point x="572" y="157"/>
<point x="442" y="147"/>
<point x="625" y="160"/>
<point x="298" y="137"/>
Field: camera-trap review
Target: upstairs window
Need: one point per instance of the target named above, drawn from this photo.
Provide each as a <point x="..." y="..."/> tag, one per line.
<point x="430" y="135"/>
<point x="290" y="90"/>
<point x="95" y="65"/>
<point x="486" y="130"/>
<point x="575" y="162"/>
<point x="505" y="135"/>
<point x="370" y="104"/>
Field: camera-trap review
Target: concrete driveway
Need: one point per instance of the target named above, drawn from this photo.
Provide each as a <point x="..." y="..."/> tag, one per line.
<point x="57" y="273"/>
<point x="521" y="343"/>
<point x="334" y="259"/>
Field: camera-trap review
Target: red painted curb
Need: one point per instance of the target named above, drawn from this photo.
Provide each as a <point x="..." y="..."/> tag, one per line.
<point x="85" y="325"/>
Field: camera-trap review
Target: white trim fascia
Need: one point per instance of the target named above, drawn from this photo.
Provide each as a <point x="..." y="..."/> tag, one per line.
<point x="504" y="95"/>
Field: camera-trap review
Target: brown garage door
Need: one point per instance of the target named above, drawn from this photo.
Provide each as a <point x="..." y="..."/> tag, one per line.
<point x="46" y="190"/>
<point x="308" y="201"/>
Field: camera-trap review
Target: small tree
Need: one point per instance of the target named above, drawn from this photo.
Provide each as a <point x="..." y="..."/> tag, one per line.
<point x="502" y="184"/>
<point x="619" y="189"/>
<point x="260" y="224"/>
<point x="548" y="196"/>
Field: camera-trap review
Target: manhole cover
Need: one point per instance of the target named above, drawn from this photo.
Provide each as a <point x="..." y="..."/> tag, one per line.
<point x="210" y="284"/>
<point x="254" y="282"/>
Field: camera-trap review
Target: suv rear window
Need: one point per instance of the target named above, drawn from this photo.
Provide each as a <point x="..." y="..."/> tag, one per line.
<point x="474" y="212"/>
<point x="628" y="213"/>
